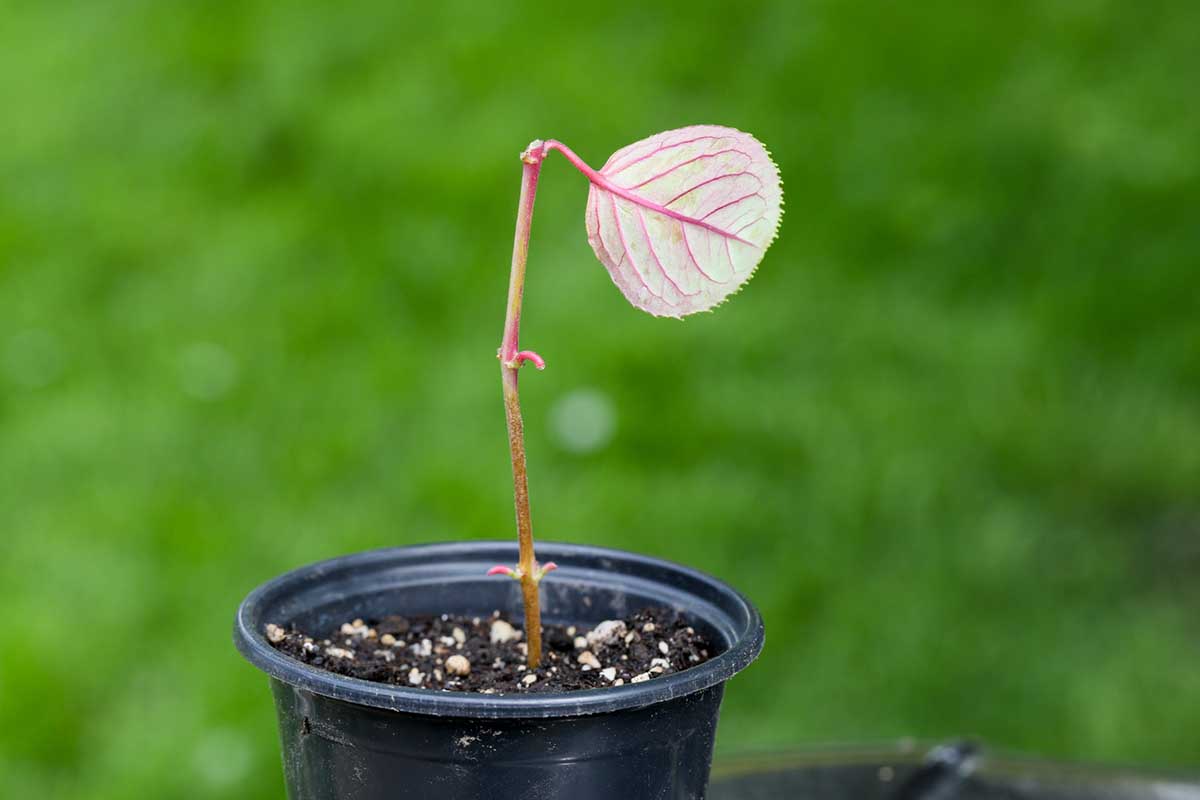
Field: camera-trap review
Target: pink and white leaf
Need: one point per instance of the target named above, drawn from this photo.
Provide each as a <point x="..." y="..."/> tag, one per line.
<point x="682" y="219"/>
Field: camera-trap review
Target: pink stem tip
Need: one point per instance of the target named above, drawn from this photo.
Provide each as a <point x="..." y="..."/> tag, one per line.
<point x="501" y="570"/>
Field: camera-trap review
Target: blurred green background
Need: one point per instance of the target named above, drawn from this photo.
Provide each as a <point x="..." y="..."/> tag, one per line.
<point x="253" y="259"/>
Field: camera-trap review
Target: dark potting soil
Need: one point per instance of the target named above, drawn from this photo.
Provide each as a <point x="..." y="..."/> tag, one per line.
<point x="487" y="654"/>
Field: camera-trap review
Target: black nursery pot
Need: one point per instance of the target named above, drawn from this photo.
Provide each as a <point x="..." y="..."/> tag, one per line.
<point x="347" y="738"/>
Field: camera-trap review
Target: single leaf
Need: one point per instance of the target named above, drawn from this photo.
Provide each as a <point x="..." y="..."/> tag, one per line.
<point x="682" y="219"/>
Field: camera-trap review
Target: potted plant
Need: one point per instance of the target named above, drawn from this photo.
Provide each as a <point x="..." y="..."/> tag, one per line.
<point x="394" y="672"/>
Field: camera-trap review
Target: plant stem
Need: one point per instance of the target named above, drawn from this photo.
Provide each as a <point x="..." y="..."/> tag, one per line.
<point x="509" y="365"/>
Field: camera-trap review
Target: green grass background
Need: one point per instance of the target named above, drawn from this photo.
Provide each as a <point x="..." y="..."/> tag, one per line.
<point x="253" y="258"/>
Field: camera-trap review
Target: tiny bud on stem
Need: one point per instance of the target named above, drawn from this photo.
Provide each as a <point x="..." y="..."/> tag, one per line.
<point x="529" y="355"/>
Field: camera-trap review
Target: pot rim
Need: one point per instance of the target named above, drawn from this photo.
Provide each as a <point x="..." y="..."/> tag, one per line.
<point x="742" y="623"/>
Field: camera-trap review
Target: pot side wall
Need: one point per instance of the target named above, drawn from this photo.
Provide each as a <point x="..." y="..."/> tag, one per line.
<point x="333" y="749"/>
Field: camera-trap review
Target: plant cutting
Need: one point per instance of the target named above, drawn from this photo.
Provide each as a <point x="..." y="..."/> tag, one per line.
<point x="412" y="682"/>
<point x="680" y="220"/>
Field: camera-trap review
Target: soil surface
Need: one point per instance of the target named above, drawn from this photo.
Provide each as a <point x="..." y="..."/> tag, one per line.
<point x="487" y="654"/>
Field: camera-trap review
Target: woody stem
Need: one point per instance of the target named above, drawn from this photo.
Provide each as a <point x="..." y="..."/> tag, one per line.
<point x="509" y="366"/>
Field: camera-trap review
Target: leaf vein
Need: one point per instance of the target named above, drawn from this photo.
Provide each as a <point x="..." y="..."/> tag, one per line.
<point x="702" y="184"/>
<point x="692" y="160"/>
<point x="654" y="255"/>
<point x="692" y="256"/>
<point x="628" y="252"/>
<point x="658" y="150"/>
<point x="733" y="203"/>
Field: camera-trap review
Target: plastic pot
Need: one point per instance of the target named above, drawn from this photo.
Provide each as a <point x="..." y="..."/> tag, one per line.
<point x="346" y="738"/>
